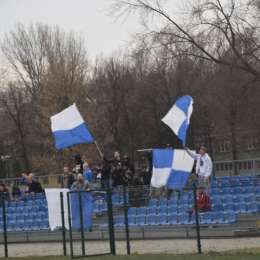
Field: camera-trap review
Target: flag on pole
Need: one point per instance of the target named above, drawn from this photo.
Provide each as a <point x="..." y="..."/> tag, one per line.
<point x="69" y="128"/>
<point x="170" y="168"/>
<point x="178" y="117"/>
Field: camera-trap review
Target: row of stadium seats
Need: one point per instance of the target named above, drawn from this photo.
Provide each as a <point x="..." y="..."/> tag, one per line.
<point x="235" y="191"/>
<point x="175" y="219"/>
<point x="26" y="210"/>
<point x="34" y="225"/>
<point x="26" y="217"/>
<point x="29" y="203"/>
<point x="236" y="177"/>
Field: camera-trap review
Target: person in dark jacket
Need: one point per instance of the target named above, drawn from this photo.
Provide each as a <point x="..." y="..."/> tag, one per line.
<point x="79" y="165"/>
<point x="117" y="159"/>
<point x="34" y="186"/>
<point x="104" y="169"/>
<point x="4" y="192"/>
<point x="17" y="194"/>
<point x="145" y="175"/>
<point x="128" y="165"/>
<point x="119" y="179"/>
<point x="67" y="179"/>
<point x="136" y="188"/>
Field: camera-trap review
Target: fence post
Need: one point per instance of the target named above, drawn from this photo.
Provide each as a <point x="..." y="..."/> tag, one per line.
<point x="197" y="217"/>
<point x="126" y="223"/>
<point x="69" y="219"/>
<point x="81" y="224"/>
<point x="111" y="222"/>
<point x="63" y="224"/>
<point x="4" y="226"/>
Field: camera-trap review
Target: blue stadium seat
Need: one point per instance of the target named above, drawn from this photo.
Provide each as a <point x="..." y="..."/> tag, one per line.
<point x="37" y="202"/>
<point x="131" y="211"/>
<point x="183" y="209"/>
<point x="151" y="220"/>
<point x="248" y="191"/>
<point x="184" y="219"/>
<point x="146" y="192"/>
<point x="152" y="203"/>
<point x="245" y="183"/>
<point x="45" y="216"/>
<point x="17" y="226"/>
<point x="216" y="200"/>
<point x="236" y="192"/>
<point x="193" y="219"/>
<point x="191" y="200"/>
<point x="173" y="219"/>
<point x="214" y="179"/>
<point x="16" y="210"/>
<point x="131" y="221"/>
<point x="234" y="184"/>
<point x="120" y="222"/>
<point x="224" y="184"/>
<point x="257" y="193"/>
<point x="240" y="198"/>
<point x="39" y="196"/>
<point x="224" y="178"/>
<point x="217" y="207"/>
<point x="184" y="201"/>
<point x="103" y="207"/>
<point x="12" y="204"/>
<point x="9" y="211"/>
<point x="215" y="192"/>
<point x="115" y="200"/>
<point x="44" y="225"/>
<point x="218" y="217"/>
<point x="163" y="202"/>
<point x="34" y="209"/>
<point x="250" y="198"/>
<point x="121" y="199"/>
<point x="236" y="177"/>
<point x="173" y="209"/>
<point x="140" y="221"/>
<point x="30" y="217"/>
<point x="231" y="217"/>
<point x="21" y="217"/>
<point x="29" y="203"/>
<point x="152" y="211"/>
<point x="256" y="182"/>
<point x="229" y="207"/>
<point x="162" y="220"/>
<point x="227" y="199"/>
<point x="30" y="197"/>
<point x="196" y="180"/>
<point x="12" y="218"/>
<point x="25" y="210"/>
<point x="162" y="210"/>
<point x="9" y="226"/>
<point x="96" y="198"/>
<point x="1" y="226"/>
<point x="96" y="207"/>
<point x="38" y="216"/>
<point x="184" y="195"/>
<point x="241" y="207"/>
<point x="142" y="211"/>
<point x="45" y="203"/>
<point x="173" y="202"/>
<point x="35" y="225"/>
<point x="107" y="225"/>
<point x="20" y="203"/>
<point x="41" y="208"/>
<point x="247" y="177"/>
<point x="214" y="185"/>
<point x="226" y="191"/>
<point x="253" y="207"/>
<point x="26" y="226"/>
<point x="174" y="195"/>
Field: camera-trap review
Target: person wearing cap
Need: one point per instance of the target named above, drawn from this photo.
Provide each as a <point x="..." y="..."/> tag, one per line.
<point x="118" y="177"/>
<point x="67" y="178"/>
<point x="87" y="173"/>
<point x="117" y="159"/>
<point x="17" y="194"/>
<point x="79" y="165"/>
<point x="4" y="192"/>
<point x="135" y="187"/>
<point x="104" y="169"/>
<point x="128" y="165"/>
<point x="203" y="166"/>
<point x="203" y="201"/>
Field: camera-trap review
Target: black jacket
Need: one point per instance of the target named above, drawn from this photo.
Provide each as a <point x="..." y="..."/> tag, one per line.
<point x="114" y="161"/>
<point x="128" y="165"/>
<point x="70" y="180"/>
<point x="145" y="177"/>
<point x="150" y="159"/>
<point x="35" y="187"/>
<point x="119" y="178"/>
<point x="105" y="169"/>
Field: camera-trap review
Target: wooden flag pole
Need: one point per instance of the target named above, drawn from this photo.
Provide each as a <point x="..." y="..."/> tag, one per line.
<point x="97" y="147"/>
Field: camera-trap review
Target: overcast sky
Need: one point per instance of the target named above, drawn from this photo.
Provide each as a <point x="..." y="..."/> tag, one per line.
<point x="84" y="16"/>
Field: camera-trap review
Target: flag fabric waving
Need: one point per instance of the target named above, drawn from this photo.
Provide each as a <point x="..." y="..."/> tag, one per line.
<point x="178" y="117"/>
<point x="69" y="128"/>
<point x="170" y="168"/>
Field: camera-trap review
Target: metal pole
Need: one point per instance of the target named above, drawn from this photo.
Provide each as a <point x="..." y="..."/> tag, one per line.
<point x="6" y="169"/>
<point x="126" y="223"/>
<point x="81" y="224"/>
<point x="63" y="224"/>
<point x="197" y="218"/>
<point x="110" y="222"/>
<point x="4" y="226"/>
<point x="69" y="219"/>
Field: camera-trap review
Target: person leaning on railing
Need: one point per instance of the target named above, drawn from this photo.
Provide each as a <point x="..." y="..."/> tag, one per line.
<point x="4" y="192"/>
<point x="34" y="186"/>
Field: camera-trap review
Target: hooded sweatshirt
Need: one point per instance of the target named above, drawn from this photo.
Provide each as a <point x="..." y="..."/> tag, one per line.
<point x="204" y="164"/>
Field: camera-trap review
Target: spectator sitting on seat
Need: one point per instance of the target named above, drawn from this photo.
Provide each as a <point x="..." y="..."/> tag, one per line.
<point x="87" y="173"/>
<point x="203" y="201"/>
<point x="81" y="184"/>
<point x="17" y="194"/>
<point x="34" y="186"/>
<point x="4" y="192"/>
<point x="67" y="179"/>
<point x="135" y="187"/>
<point x="144" y="175"/>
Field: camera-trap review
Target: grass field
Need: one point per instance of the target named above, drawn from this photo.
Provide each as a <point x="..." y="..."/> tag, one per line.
<point x="245" y="254"/>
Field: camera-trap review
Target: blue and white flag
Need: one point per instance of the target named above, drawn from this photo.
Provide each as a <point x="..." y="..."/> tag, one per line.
<point x="69" y="128"/>
<point x="178" y="117"/>
<point x="171" y="168"/>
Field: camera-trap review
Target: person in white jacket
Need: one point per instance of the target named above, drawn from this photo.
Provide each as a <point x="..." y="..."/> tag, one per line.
<point x="203" y="166"/>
